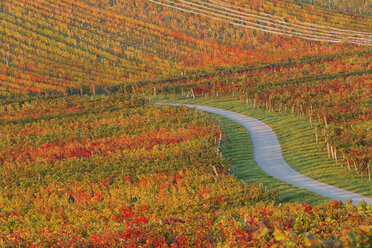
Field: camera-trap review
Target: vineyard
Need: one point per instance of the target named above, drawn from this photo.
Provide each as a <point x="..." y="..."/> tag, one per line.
<point x="87" y="47"/>
<point x="354" y="6"/>
<point x="79" y="47"/>
<point x="78" y="172"/>
<point x="88" y="161"/>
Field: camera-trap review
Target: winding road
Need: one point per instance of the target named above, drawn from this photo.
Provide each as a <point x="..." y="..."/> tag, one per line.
<point x="268" y="156"/>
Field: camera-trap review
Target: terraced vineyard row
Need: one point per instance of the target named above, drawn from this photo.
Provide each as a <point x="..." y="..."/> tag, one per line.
<point x="71" y="47"/>
<point x="333" y="94"/>
<point x="268" y="23"/>
<point x="118" y="171"/>
<point x="86" y="161"/>
<point x="353" y="6"/>
<point x="63" y="51"/>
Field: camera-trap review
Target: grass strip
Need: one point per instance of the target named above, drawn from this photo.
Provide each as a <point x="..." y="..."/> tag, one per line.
<point x="298" y="145"/>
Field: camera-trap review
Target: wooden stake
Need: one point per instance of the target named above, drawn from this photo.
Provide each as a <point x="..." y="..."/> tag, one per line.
<point x="215" y="172"/>
<point x="192" y="93"/>
<point x="328" y="150"/>
<point x="336" y="156"/>
<point x="301" y="110"/>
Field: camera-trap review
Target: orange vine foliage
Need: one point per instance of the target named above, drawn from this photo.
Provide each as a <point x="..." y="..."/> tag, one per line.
<point x="121" y="172"/>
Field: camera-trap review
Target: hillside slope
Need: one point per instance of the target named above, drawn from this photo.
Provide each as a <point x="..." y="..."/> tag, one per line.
<point x="70" y="47"/>
<point x="118" y="171"/>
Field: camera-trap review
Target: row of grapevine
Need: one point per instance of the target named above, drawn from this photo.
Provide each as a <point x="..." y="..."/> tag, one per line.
<point x="354" y="6"/>
<point x="333" y="93"/>
<point x="268" y="23"/>
<point x="78" y="47"/>
<point x="117" y="171"/>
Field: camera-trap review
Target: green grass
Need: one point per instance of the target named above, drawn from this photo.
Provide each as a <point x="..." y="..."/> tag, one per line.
<point x="299" y="149"/>
<point x="238" y="147"/>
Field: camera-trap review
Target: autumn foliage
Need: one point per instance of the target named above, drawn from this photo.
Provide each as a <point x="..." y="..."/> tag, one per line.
<point x="122" y="172"/>
<point x="82" y="170"/>
<point x="63" y="48"/>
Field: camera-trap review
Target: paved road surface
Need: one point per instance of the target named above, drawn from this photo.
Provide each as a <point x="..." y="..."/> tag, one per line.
<point x="268" y="156"/>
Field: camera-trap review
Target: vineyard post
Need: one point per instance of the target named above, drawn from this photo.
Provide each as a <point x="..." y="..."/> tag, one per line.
<point x="356" y="168"/>
<point x="336" y="155"/>
<point x="301" y="111"/>
<point x="183" y="93"/>
<point x="332" y="153"/>
<point x="348" y="165"/>
<point x="215" y="172"/>
<point x="329" y="156"/>
<point x="154" y="91"/>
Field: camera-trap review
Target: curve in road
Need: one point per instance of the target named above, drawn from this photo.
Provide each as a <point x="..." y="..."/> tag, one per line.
<point x="268" y="156"/>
